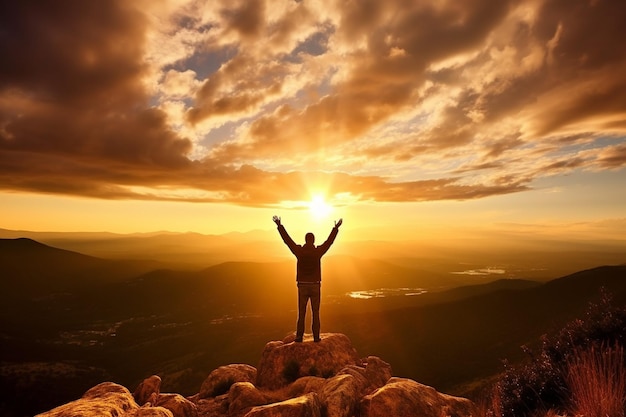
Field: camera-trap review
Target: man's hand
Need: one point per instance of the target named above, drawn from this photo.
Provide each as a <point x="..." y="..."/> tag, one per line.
<point x="338" y="223"/>
<point x="276" y="220"/>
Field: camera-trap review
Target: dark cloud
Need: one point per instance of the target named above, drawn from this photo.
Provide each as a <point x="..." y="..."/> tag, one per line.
<point x="247" y="18"/>
<point x="72" y="52"/>
<point x="563" y="165"/>
<point x="75" y="84"/>
<point x="600" y="101"/>
<point x="498" y="147"/>
<point x="480" y="167"/>
<point x="587" y="33"/>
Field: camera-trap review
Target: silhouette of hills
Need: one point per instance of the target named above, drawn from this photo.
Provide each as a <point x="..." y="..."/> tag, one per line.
<point x="128" y="319"/>
<point x="31" y="265"/>
<point x="32" y="268"/>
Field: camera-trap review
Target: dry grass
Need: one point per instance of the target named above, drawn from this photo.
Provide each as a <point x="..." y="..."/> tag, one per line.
<point x="596" y="380"/>
<point x="596" y="377"/>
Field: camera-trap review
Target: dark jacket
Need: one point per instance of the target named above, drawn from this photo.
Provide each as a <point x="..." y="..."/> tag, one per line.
<point x="309" y="268"/>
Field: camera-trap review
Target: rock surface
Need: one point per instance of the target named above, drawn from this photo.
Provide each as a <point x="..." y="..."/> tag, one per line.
<point x="405" y="397"/>
<point x="178" y="405"/>
<point x="148" y="390"/>
<point x="305" y="406"/>
<point x="293" y="380"/>
<point x="340" y="395"/>
<point x="243" y="396"/>
<point x="285" y="361"/>
<point x="220" y="380"/>
<point x="105" y="399"/>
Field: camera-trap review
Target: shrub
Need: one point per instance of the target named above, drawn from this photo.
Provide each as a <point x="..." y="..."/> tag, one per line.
<point x="540" y="383"/>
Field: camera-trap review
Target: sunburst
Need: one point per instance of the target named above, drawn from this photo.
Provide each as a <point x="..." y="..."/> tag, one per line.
<point x="319" y="208"/>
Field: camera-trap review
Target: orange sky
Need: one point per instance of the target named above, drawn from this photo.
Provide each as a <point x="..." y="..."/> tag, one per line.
<point x="407" y="116"/>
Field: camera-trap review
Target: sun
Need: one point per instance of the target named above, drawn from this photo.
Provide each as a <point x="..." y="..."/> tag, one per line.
<point x="319" y="208"/>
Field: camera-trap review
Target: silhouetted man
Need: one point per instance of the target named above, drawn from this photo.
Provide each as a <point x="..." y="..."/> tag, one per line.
<point x="308" y="274"/>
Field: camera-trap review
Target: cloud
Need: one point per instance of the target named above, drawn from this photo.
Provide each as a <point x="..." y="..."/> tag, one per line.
<point x="613" y="157"/>
<point x="258" y="102"/>
<point x="73" y="87"/>
<point x="73" y="52"/>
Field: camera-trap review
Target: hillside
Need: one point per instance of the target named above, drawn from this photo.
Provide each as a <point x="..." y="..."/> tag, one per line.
<point x="32" y="268"/>
<point x="449" y="345"/>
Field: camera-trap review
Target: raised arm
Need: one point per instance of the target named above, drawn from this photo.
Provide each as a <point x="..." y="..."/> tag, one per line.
<point x="331" y="238"/>
<point x="284" y="235"/>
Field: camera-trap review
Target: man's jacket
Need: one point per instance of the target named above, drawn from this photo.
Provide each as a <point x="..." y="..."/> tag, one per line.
<point x="308" y="268"/>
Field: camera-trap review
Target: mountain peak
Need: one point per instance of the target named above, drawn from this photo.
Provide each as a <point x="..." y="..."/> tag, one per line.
<point x="21" y="243"/>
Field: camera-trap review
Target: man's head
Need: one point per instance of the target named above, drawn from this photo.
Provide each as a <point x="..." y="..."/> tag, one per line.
<point x="309" y="239"/>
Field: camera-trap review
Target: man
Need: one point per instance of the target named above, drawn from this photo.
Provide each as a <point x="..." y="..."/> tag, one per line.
<point x="308" y="274"/>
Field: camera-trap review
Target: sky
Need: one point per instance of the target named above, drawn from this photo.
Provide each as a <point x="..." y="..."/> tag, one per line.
<point x="404" y="117"/>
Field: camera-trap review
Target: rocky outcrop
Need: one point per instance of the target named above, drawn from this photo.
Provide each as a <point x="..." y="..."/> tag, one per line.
<point x="283" y="362"/>
<point x="307" y="379"/>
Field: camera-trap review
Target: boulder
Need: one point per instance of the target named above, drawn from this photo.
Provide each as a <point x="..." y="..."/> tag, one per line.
<point x="177" y="404"/>
<point x="340" y="396"/>
<point x="304" y="406"/>
<point x="305" y="385"/>
<point x="405" y="397"/>
<point x="377" y="372"/>
<point x="358" y="372"/>
<point x="105" y="399"/>
<point x="148" y="390"/>
<point x="283" y="362"/>
<point x="220" y="380"/>
<point x="243" y="396"/>
<point x="105" y="390"/>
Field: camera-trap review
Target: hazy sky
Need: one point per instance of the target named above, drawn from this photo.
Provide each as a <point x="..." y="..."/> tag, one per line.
<point x="213" y="115"/>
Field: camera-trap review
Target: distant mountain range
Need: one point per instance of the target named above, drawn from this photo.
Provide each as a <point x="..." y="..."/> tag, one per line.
<point x="519" y="256"/>
<point x="69" y="320"/>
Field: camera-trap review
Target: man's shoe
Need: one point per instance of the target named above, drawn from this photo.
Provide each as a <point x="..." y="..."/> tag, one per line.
<point x="298" y="340"/>
<point x="317" y="340"/>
